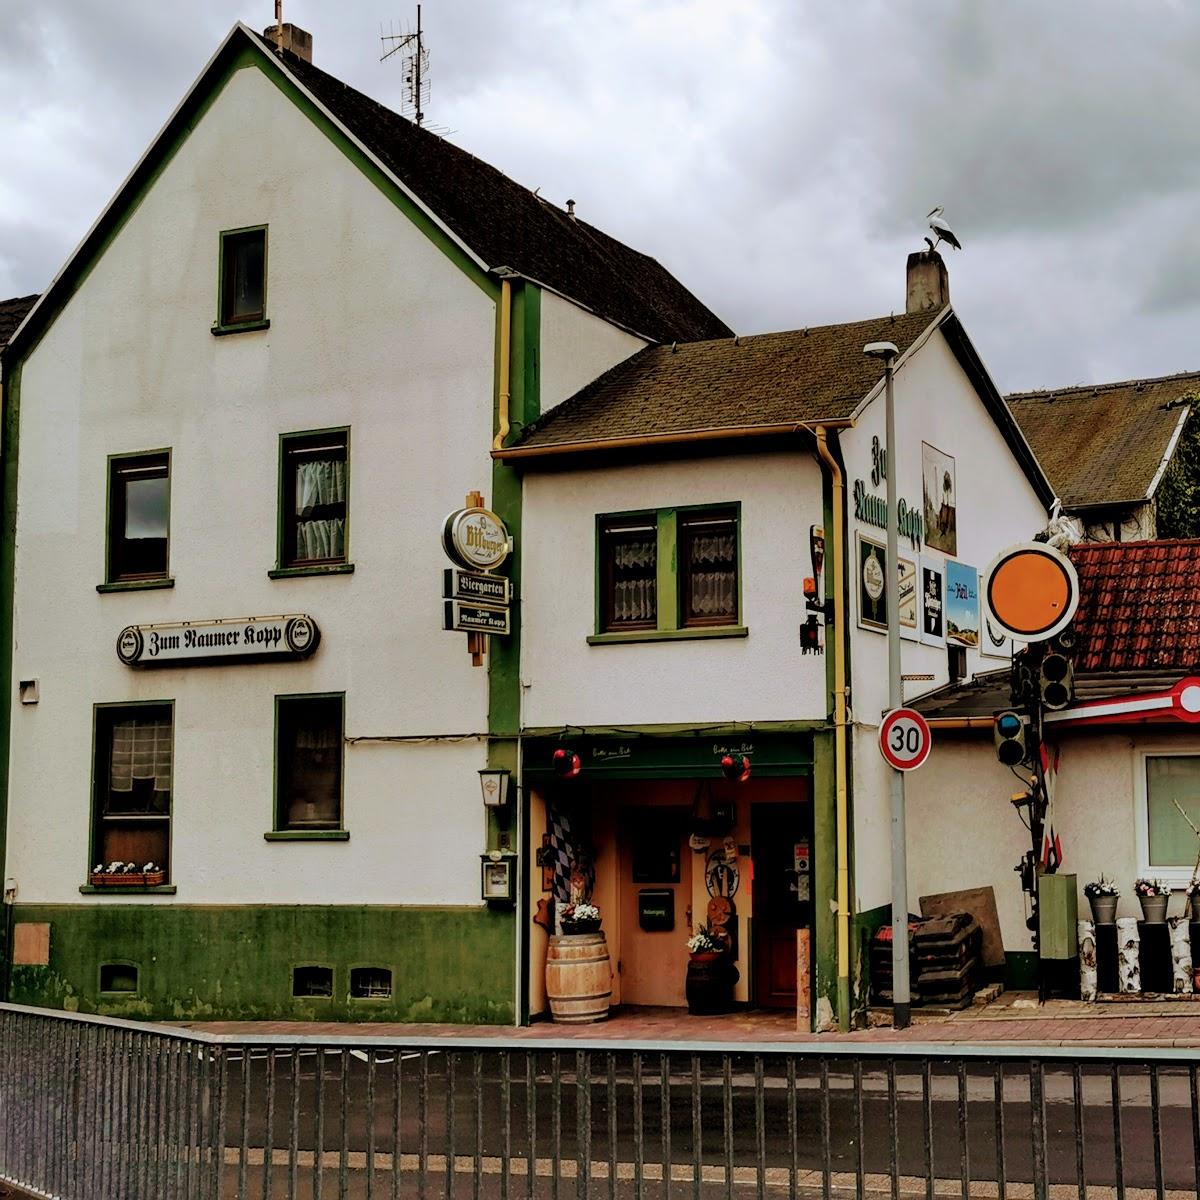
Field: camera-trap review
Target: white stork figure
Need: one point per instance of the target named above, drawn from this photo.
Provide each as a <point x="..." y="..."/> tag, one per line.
<point x="943" y="231"/>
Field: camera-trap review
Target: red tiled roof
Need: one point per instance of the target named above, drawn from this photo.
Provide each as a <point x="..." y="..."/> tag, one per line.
<point x="1139" y="605"/>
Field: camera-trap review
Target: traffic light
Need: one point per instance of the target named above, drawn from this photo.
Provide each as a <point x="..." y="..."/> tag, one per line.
<point x="1008" y="730"/>
<point x="1056" y="679"/>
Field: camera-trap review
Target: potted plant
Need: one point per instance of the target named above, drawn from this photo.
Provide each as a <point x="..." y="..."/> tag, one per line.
<point x="580" y="918"/>
<point x="1193" y="896"/>
<point x="705" y="945"/>
<point x="711" y="973"/>
<point x="1154" y="896"/>
<point x="1103" y="895"/>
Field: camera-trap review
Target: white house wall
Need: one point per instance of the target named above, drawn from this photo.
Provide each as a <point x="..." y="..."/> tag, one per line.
<point x="996" y="507"/>
<point x="371" y="327"/>
<point x="761" y="677"/>
<point x="577" y="346"/>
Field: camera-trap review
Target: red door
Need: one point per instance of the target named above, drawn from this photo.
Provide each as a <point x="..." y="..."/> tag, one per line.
<point x="781" y="849"/>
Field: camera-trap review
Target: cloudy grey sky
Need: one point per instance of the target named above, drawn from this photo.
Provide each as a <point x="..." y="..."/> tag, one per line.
<point x="778" y="155"/>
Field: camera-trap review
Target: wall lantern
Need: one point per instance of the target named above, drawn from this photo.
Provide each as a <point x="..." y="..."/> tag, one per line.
<point x="494" y="783"/>
<point x="499" y="878"/>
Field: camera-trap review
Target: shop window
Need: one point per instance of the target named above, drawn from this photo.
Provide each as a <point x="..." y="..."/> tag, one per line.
<point x="312" y="982"/>
<point x="708" y="562"/>
<point x="118" y="977"/>
<point x="308" y="762"/>
<point x="243" y="278"/>
<point x="314" y="495"/>
<point x="1170" y="841"/>
<point x="371" y="983"/>
<point x="139" y="509"/>
<point x="669" y="573"/>
<point x="132" y="785"/>
<point x="629" y="565"/>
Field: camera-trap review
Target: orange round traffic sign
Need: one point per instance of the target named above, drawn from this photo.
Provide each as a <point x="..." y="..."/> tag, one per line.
<point x="1031" y="592"/>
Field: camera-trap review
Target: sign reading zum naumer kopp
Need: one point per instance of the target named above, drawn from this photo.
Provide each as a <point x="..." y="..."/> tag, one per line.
<point x="229" y="639"/>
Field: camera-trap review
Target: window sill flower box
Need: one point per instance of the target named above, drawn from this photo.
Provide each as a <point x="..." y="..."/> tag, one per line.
<point x="127" y="879"/>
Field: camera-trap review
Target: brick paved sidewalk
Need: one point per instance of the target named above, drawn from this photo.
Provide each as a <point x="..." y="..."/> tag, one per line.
<point x="1015" y="1020"/>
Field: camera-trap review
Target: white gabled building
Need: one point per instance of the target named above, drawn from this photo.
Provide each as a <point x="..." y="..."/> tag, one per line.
<point x="234" y="424"/>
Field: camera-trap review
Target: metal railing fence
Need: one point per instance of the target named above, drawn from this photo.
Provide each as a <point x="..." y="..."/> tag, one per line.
<point x="92" y="1107"/>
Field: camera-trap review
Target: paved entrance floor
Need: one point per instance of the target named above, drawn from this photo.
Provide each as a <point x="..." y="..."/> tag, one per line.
<point x="1015" y="1018"/>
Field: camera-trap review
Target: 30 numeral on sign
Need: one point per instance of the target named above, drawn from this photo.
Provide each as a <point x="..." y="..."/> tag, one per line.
<point x="904" y="739"/>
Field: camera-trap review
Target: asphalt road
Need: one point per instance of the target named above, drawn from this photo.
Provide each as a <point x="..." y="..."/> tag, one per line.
<point x="427" y="1114"/>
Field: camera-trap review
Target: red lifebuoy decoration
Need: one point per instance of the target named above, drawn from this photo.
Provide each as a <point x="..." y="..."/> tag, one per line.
<point x="737" y="770"/>
<point x="566" y="763"/>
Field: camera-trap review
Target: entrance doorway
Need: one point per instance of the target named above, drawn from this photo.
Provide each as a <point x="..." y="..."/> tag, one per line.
<point x="655" y="891"/>
<point x="781" y="849"/>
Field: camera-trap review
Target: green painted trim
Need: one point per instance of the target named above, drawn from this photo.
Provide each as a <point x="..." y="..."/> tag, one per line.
<point x="824" y="802"/>
<point x="686" y="634"/>
<point x="221" y="326"/>
<point x="725" y="729"/>
<point x="10" y="412"/>
<point x="302" y="572"/>
<point x="248" y="327"/>
<point x="135" y="585"/>
<point x="234" y="962"/>
<point x="862" y="928"/>
<point x="667" y="572"/>
<point x="307" y="835"/>
<point x="112" y="459"/>
<point x="601" y="519"/>
<point x="165" y="889"/>
<point x="275" y="808"/>
<point x="93" y="814"/>
<point x="281" y="570"/>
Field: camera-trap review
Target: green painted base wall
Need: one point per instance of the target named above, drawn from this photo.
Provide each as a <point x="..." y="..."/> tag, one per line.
<point x="235" y="963"/>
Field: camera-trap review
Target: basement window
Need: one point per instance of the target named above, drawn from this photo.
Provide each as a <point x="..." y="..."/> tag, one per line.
<point x="121" y="978"/>
<point x="371" y="983"/>
<point x="312" y="982"/>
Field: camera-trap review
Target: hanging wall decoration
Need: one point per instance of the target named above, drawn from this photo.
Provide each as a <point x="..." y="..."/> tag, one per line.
<point x="940" y="504"/>
<point x="932" y="573"/>
<point x="906" y="571"/>
<point x="962" y="604"/>
<point x="872" y="584"/>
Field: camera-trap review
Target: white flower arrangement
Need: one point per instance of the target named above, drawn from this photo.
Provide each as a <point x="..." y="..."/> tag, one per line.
<point x="585" y="912"/>
<point x="704" y="941"/>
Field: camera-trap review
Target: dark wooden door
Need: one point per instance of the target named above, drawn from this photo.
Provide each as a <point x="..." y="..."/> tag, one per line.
<point x="781" y="848"/>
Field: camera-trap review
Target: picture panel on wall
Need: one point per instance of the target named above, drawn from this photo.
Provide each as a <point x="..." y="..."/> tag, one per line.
<point x="871" y="561"/>
<point x="962" y="604"/>
<point x="993" y="643"/>
<point x="910" y="627"/>
<point x="941" y="513"/>
<point x="933" y="602"/>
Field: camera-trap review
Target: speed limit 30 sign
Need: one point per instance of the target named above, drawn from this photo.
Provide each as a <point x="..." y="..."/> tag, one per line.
<point x="904" y="739"/>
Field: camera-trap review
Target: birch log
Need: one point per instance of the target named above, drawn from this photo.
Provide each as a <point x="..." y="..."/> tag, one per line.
<point x="1087" y="961"/>
<point x="1181" y="955"/>
<point x="1129" y="947"/>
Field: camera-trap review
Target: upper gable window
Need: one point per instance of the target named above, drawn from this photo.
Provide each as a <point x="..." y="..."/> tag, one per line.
<point x="139" y="503"/>
<point x="243" y="277"/>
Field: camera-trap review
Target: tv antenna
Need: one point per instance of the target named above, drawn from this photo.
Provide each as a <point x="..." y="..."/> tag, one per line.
<point x="416" y="67"/>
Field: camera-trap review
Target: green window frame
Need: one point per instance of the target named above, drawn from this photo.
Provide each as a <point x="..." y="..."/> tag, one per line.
<point x="298" y="815"/>
<point x="297" y="450"/>
<point x="141" y="830"/>
<point x="128" y="566"/>
<point x="242" y="280"/>
<point x="674" y="614"/>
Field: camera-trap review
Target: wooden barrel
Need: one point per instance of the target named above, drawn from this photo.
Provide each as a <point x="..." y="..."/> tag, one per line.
<point x="578" y="978"/>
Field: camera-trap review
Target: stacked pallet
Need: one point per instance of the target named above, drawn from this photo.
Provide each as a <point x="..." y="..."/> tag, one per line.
<point x="944" y="958"/>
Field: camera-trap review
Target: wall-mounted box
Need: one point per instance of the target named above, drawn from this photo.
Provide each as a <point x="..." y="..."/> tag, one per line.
<point x="656" y="909"/>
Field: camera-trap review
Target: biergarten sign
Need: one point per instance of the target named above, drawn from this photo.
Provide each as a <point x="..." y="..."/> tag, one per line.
<point x="228" y="639"/>
<point x="466" y="585"/>
<point x="474" y="600"/>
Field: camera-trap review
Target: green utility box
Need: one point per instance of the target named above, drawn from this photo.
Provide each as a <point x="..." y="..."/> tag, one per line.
<point x="1058" y="916"/>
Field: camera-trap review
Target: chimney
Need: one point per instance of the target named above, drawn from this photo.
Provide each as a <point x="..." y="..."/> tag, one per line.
<point x="928" y="282"/>
<point x="295" y="39"/>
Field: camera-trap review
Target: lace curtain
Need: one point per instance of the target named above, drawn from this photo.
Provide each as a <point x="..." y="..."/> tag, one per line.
<point x="141" y="750"/>
<point x="318" y="486"/>
<point x="713" y="577"/>
<point x="635" y="590"/>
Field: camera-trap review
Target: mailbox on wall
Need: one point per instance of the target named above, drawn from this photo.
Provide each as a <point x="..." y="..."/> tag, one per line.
<point x="656" y="909"/>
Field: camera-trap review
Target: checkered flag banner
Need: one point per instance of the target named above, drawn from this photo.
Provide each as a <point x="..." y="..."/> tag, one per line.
<point x="566" y="841"/>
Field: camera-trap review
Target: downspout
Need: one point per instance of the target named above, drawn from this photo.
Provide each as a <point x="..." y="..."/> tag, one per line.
<point x="505" y="352"/>
<point x="837" y="583"/>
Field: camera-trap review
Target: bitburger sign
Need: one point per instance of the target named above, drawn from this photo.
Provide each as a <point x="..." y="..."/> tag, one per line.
<point x="229" y="639"/>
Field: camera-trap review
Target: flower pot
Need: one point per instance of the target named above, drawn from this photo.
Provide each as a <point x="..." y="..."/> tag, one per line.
<point x="1154" y="909"/>
<point x="1104" y="909"/>
<point x="573" y="927"/>
<point x="1193" y="908"/>
<point x="710" y="981"/>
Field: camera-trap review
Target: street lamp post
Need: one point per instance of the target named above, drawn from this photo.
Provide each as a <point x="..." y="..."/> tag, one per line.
<point x="888" y="353"/>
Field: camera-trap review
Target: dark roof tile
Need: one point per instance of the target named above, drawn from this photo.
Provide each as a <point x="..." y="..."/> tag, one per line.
<point x="12" y="313"/>
<point x="1103" y="444"/>
<point x="765" y="379"/>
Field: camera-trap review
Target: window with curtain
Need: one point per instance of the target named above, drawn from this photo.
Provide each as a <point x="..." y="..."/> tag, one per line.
<point x="133" y="774"/>
<point x="139" y="516"/>
<point x="708" y="568"/>
<point x="315" y="499"/>
<point x="1172" y="780"/>
<point x="243" y="276"/>
<point x="308" y="762"/>
<point x="629" y="563"/>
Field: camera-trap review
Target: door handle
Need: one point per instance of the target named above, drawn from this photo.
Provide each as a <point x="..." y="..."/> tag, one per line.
<point x="688" y="916"/>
